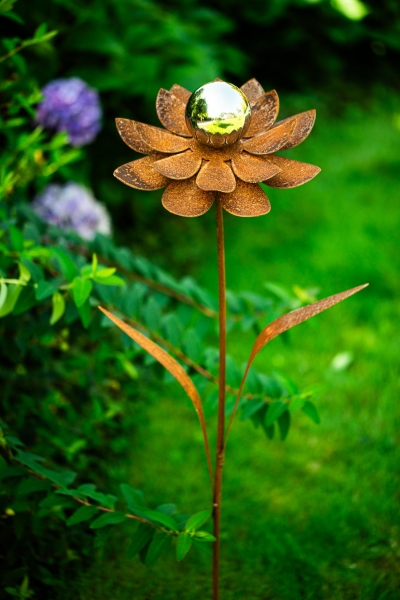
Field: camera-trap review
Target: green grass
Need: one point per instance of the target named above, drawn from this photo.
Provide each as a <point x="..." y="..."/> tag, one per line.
<point x="315" y="517"/>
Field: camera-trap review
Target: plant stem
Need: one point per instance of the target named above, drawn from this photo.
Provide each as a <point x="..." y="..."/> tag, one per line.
<point x="217" y="497"/>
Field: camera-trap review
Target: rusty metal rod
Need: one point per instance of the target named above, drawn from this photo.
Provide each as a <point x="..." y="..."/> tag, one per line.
<point x="217" y="496"/>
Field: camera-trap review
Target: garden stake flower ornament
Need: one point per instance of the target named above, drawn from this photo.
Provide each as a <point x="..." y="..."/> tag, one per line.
<point x="218" y="145"/>
<point x="218" y="140"/>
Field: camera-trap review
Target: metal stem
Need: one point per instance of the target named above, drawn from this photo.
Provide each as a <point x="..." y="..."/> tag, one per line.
<point x="217" y="497"/>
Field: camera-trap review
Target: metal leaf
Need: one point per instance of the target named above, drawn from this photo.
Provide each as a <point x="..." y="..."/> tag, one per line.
<point x="179" y="166"/>
<point x="263" y="113"/>
<point x="141" y="175"/>
<point x="247" y="200"/>
<point x="253" y="169"/>
<point x="171" y="112"/>
<point x="180" y="92"/>
<point x="270" y="141"/>
<point x="253" y="90"/>
<point x="283" y="324"/>
<point x="304" y="124"/>
<point x="293" y="173"/>
<point x="161" y="140"/>
<point x="216" y="175"/>
<point x="176" y="370"/>
<point x="127" y="130"/>
<point x="186" y="199"/>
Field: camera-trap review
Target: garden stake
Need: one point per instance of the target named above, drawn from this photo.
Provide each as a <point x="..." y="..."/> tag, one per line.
<point x="218" y="145"/>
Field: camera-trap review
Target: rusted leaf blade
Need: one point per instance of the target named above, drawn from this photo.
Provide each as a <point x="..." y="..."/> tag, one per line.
<point x="287" y="322"/>
<point x="176" y="370"/>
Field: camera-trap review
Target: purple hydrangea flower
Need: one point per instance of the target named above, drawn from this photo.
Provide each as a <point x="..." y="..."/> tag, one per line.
<point x="71" y="206"/>
<point x="71" y="105"/>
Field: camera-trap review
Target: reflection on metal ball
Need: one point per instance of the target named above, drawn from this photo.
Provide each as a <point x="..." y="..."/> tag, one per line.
<point x="218" y="114"/>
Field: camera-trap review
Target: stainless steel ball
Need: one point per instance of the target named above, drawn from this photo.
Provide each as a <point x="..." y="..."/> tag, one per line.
<point x="218" y="114"/>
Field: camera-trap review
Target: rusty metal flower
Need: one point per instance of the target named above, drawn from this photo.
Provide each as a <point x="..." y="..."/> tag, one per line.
<point x="194" y="165"/>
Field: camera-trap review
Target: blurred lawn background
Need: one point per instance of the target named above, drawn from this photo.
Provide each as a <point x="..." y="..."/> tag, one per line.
<point x="316" y="516"/>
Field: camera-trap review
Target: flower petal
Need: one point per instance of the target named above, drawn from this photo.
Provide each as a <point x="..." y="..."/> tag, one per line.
<point x="171" y="112"/>
<point x="253" y="169"/>
<point x="263" y="113"/>
<point x="180" y="92"/>
<point x="270" y="141"/>
<point x="186" y="199"/>
<point x="293" y="173"/>
<point x="161" y="139"/>
<point x="216" y="175"/>
<point x="179" y="166"/>
<point x="127" y="131"/>
<point x="140" y="174"/>
<point x="248" y="200"/>
<point x="253" y="90"/>
<point x="304" y="123"/>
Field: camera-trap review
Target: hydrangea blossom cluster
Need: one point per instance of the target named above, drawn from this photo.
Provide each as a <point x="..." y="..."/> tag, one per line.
<point x="71" y="206"/>
<point x="71" y="105"/>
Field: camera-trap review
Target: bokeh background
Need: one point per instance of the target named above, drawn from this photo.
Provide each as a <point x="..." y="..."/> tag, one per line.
<point x="315" y="516"/>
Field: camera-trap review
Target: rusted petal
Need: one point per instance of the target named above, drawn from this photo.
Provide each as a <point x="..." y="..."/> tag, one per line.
<point x="186" y="199"/>
<point x="248" y="200"/>
<point x="216" y="175"/>
<point x="253" y="169"/>
<point x="127" y="131"/>
<point x="287" y="322"/>
<point x="293" y="173"/>
<point x="179" y="166"/>
<point x="141" y="175"/>
<point x="180" y="92"/>
<point x="253" y="90"/>
<point x="161" y="139"/>
<point x="218" y="79"/>
<point x="171" y="112"/>
<point x="176" y="370"/>
<point x="270" y="141"/>
<point x="304" y="123"/>
<point x="263" y="113"/>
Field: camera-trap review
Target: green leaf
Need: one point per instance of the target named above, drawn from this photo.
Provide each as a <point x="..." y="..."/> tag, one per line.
<point x="24" y="273"/>
<point x="183" y="546"/>
<point x="67" y="266"/>
<point x="3" y="294"/>
<point x="81" y="290"/>
<point x="275" y="409"/>
<point x="152" y="314"/>
<point x="111" y="280"/>
<point x="162" y="518"/>
<point x="204" y="536"/>
<point x="173" y="329"/>
<point x="143" y="535"/>
<point x="252" y="406"/>
<point x="34" y="270"/>
<point x="296" y="403"/>
<point x="58" y="307"/>
<point x="25" y="301"/>
<point x="94" y="263"/>
<point x="197" y="520"/>
<point x="82" y="514"/>
<point x="85" y="314"/>
<point x="133" y="497"/>
<point x="46" y="288"/>
<point x="284" y="424"/>
<point x="17" y="240"/>
<point x="158" y="545"/>
<point x="13" y="291"/>
<point x="112" y="518"/>
<point x="311" y="411"/>
<point x="104" y="273"/>
<point x="193" y="345"/>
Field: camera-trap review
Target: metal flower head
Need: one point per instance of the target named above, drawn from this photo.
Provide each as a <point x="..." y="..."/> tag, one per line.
<point x="218" y="140"/>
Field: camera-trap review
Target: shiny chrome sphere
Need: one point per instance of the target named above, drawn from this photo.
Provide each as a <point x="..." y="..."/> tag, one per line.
<point x="218" y="114"/>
